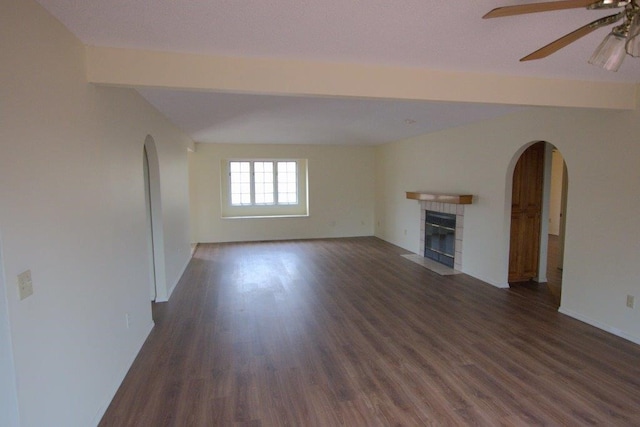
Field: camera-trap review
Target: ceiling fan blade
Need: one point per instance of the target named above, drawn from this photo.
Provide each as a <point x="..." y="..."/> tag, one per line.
<point x="538" y="7"/>
<point x="555" y="46"/>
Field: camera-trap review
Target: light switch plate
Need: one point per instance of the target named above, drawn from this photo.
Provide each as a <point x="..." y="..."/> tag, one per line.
<point x="25" y="285"/>
<point x="630" y="301"/>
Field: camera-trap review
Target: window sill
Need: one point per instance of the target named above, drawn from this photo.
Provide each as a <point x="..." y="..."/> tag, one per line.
<point x="264" y="216"/>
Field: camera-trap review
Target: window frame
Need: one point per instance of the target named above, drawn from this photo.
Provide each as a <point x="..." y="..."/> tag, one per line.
<point x="275" y="209"/>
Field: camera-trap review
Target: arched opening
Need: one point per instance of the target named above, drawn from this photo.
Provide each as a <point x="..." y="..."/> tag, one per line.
<point x="538" y="213"/>
<point x="558" y="189"/>
<point x="155" y="238"/>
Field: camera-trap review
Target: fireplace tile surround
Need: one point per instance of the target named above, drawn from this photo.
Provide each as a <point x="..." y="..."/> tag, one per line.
<point x="444" y="203"/>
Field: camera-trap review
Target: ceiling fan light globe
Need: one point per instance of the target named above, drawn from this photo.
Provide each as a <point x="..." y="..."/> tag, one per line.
<point x="633" y="46"/>
<point x="633" y="41"/>
<point x="610" y="53"/>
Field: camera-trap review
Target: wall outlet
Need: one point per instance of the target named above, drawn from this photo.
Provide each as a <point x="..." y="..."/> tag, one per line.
<point x="25" y="285"/>
<point x="630" y="301"/>
<point x="127" y="319"/>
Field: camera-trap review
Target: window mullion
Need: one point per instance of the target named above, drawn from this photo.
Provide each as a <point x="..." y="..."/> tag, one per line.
<point x="252" y="183"/>
<point x="275" y="183"/>
<point x="230" y="186"/>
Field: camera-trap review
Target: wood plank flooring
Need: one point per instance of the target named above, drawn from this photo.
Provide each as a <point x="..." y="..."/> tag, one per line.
<point x="554" y="272"/>
<point x="346" y="332"/>
<point x="551" y="290"/>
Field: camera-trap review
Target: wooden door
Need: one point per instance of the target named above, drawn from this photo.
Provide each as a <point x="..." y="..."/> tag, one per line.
<point x="526" y="208"/>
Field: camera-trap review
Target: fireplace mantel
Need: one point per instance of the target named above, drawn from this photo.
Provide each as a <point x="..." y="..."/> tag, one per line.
<point x="454" y="199"/>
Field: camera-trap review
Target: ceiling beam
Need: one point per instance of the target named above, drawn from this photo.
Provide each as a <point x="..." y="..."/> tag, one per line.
<point x="141" y="68"/>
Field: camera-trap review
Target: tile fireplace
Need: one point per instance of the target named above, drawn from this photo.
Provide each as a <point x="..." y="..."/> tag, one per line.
<point x="442" y="226"/>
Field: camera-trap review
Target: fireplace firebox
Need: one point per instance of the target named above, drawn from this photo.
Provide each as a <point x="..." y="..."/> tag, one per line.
<point x="440" y="237"/>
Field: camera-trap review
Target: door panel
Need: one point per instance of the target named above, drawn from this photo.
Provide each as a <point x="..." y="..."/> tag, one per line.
<point x="526" y="208"/>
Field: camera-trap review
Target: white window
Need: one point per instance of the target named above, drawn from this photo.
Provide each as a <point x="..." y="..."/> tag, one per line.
<point x="263" y="183"/>
<point x="264" y="188"/>
<point x="240" y="177"/>
<point x="287" y="183"/>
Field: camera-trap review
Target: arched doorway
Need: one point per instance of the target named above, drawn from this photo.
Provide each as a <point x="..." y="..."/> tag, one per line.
<point x="558" y="189"/>
<point x="538" y="215"/>
<point x="155" y="238"/>
<point x="526" y="214"/>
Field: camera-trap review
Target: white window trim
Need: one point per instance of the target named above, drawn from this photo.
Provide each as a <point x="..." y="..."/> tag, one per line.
<point x="301" y="209"/>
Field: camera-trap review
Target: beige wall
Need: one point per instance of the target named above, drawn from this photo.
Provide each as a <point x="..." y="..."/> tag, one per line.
<point x="603" y="225"/>
<point x="72" y="211"/>
<point x="341" y="193"/>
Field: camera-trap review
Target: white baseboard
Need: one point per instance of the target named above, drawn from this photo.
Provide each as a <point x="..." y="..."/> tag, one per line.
<point x="171" y="289"/>
<point x="120" y="376"/>
<point x="600" y="325"/>
<point x="500" y="285"/>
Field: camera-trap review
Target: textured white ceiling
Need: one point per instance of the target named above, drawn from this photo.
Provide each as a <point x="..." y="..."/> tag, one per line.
<point x="241" y="118"/>
<point x="425" y="33"/>
<point x="433" y="34"/>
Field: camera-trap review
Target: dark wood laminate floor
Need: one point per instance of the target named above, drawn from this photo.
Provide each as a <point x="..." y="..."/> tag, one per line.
<point x="347" y="332"/>
<point x="554" y="272"/>
<point x="550" y="291"/>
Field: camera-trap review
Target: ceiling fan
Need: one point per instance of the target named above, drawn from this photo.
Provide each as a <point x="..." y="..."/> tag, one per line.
<point x="624" y="39"/>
